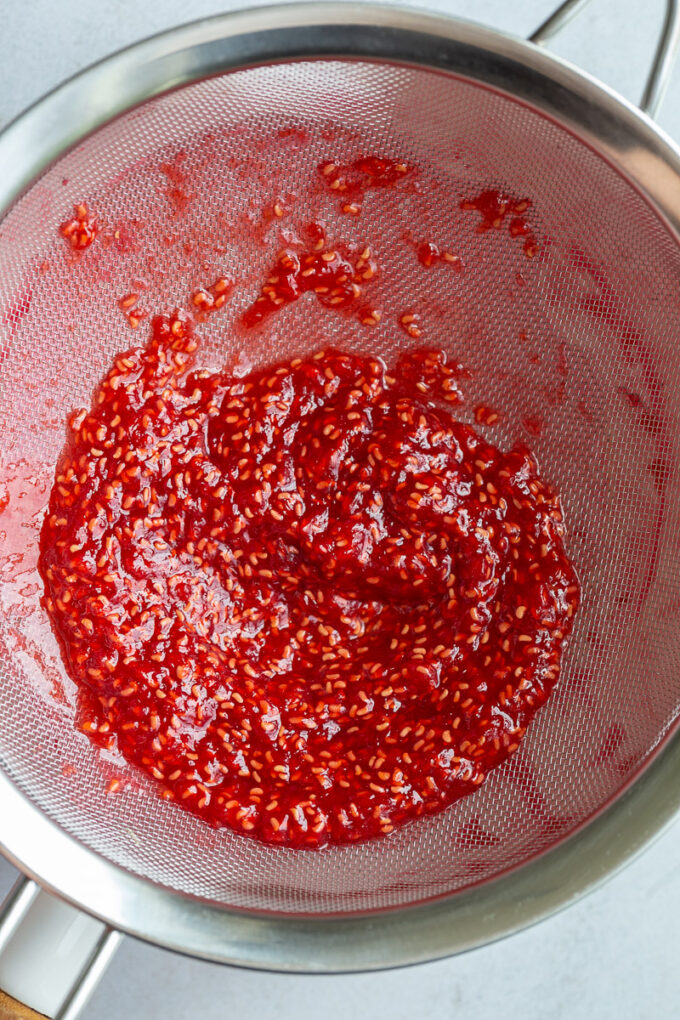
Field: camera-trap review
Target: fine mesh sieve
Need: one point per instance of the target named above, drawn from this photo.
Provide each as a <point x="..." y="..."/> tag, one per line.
<point x="576" y="347"/>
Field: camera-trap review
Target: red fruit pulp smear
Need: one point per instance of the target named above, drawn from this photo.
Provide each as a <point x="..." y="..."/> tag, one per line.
<point x="210" y="299"/>
<point x="429" y="253"/>
<point x="81" y="230"/>
<point x="497" y="210"/>
<point x="176" y="190"/>
<point x="336" y="282"/>
<point x="307" y="601"/>
<point x="130" y="309"/>
<point x="363" y="174"/>
<point x="351" y="181"/>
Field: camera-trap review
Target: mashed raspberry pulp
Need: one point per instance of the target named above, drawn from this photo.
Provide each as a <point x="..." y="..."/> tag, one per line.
<point x="308" y="602"/>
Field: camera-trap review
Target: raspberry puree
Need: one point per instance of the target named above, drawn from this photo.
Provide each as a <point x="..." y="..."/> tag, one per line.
<point x="81" y="230"/>
<point x="308" y="602"/>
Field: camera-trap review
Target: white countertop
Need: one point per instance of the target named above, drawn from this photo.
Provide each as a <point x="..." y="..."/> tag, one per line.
<point x="613" y="955"/>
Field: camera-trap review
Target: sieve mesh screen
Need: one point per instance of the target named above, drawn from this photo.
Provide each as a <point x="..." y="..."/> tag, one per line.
<point x="582" y="339"/>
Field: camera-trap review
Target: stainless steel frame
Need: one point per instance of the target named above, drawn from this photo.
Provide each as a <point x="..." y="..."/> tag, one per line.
<point x="645" y="156"/>
<point x="662" y="64"/>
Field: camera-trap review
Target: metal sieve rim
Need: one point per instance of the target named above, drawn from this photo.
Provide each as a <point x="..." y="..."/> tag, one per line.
<point x="347" y="943"/>
<point x="650" y="161"/>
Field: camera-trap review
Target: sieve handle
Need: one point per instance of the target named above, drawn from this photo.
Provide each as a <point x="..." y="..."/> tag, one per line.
<point x="664" y="56"/>
<point x="51" y="955"/>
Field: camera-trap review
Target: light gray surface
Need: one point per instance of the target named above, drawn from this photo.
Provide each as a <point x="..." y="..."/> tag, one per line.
<point x="614" y="954"/>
